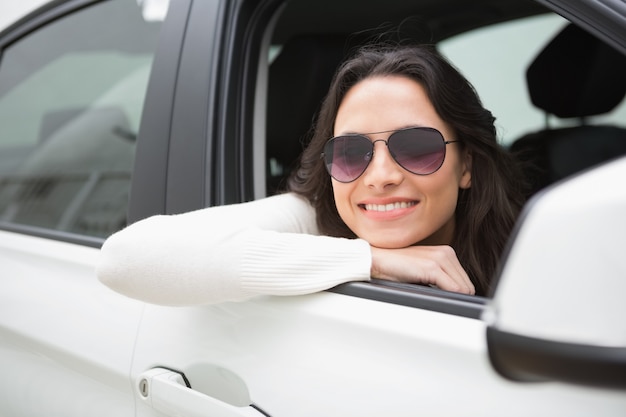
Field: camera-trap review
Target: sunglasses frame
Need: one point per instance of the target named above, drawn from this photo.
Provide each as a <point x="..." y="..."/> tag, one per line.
<point x="373" y="142"/>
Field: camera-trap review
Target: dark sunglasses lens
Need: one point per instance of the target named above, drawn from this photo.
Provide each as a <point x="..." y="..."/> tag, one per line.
<point x="346" y="157"/>
<point x="420" y="150"/>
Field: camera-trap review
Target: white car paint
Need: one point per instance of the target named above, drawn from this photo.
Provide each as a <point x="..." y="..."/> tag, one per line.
<point x="336" y="355"/>
<point x="571" y="244"/>
<point x="11" y="11"/>
<point x="66" y="342"/>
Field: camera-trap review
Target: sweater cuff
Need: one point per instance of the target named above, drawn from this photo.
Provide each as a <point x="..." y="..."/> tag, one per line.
<point x="294" y="264"/>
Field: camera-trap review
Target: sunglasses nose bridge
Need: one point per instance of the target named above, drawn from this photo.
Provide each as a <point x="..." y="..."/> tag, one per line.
<point x="379" y="162"/>
<point x="373" y="151"/>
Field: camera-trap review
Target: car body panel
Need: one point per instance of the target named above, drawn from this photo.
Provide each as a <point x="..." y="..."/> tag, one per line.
<point x="66" y="342"/>
<point x="13" y="11"/>
<point x="338" y="355"/>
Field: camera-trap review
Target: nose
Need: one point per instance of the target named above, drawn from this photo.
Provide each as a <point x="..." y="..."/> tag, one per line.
<point x="382" y="171"/>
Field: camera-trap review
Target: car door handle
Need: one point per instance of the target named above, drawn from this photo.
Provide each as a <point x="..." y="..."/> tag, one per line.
<point x="167" y="392"/>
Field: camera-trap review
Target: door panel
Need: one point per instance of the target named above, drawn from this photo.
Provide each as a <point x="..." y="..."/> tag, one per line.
<point x="65" y="340"/>
<point x="331" y="354"/>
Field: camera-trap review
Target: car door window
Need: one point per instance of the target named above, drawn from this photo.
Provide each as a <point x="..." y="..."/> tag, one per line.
<point x="71" y="97"/>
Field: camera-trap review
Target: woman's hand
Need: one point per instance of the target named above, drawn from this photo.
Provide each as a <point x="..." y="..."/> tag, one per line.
<point x="431" y="265"/>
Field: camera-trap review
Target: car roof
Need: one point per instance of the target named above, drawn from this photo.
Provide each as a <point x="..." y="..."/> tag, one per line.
<point x="432" y="20"/>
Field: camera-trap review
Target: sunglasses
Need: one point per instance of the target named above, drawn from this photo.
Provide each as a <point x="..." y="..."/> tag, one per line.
<point x="419" y="150"/>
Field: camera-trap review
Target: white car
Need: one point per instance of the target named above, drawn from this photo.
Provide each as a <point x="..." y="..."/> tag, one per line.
<point x="114" y="110"/>
<point x="10" y="12"/>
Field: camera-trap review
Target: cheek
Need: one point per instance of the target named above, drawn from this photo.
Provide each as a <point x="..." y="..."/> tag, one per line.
<point x="442" y="194"/>
<point x="449" y="201"/>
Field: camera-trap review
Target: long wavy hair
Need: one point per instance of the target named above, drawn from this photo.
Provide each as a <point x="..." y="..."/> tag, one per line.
<point x="486" y="212"/>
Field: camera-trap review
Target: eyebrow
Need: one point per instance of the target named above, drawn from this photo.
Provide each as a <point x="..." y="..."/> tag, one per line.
<point x="352" y="133"/>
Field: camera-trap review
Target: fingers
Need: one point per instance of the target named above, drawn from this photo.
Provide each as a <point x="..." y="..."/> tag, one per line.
<point x="447" y="272"/>
<point x="433" y="265"/>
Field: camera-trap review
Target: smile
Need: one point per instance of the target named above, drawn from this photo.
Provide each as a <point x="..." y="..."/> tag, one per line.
<point x="389" y="207"/>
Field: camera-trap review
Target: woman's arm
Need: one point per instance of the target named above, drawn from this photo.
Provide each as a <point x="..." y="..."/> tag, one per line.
<point x="227" y="253"/>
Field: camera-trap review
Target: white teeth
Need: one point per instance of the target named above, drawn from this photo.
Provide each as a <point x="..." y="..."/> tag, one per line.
<point x="389" y="207"/>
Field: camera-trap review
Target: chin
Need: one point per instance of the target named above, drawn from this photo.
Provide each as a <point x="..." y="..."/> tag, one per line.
<point x="392" y="243"/>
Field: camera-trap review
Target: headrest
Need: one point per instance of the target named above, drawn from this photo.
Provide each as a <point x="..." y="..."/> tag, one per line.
<point x="298" y="81"/>
<point x="577" y="75"/>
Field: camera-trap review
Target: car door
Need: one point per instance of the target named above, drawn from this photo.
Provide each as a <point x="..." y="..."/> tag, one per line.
<point x="365" y="349"/>
<point x="73" y="77"/>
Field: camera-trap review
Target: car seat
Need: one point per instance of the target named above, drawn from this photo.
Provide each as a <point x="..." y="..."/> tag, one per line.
<point x="575" y="76"/>
<point x="298" y="81"/>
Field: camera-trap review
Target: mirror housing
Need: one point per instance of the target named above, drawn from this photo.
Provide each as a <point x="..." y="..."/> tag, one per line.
<point x="559" y="306"/>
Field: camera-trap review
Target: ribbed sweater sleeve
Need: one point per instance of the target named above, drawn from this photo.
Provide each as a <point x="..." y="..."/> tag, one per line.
<point x="228" y="253"/>
<point x="292" y="264"/>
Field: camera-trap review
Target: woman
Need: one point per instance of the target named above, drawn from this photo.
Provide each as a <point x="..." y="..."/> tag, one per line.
<point x="412" y="187"/>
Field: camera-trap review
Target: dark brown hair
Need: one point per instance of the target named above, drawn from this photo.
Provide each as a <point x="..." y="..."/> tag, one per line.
<point x="486" y="212"/>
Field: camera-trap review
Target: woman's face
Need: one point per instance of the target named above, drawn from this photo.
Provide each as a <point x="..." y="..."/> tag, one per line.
<point x="368" y="204"/>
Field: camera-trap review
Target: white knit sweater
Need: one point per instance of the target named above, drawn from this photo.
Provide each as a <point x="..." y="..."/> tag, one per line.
<point x="228" y="253"/>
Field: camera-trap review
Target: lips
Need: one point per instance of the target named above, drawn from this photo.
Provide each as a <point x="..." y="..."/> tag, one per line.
<point x="388" y="207"/>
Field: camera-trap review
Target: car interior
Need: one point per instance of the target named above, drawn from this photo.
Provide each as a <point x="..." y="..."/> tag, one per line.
<point x="574" y="78"/>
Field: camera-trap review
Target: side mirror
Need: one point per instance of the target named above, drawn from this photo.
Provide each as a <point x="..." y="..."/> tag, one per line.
<point x="559" y="309"/>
